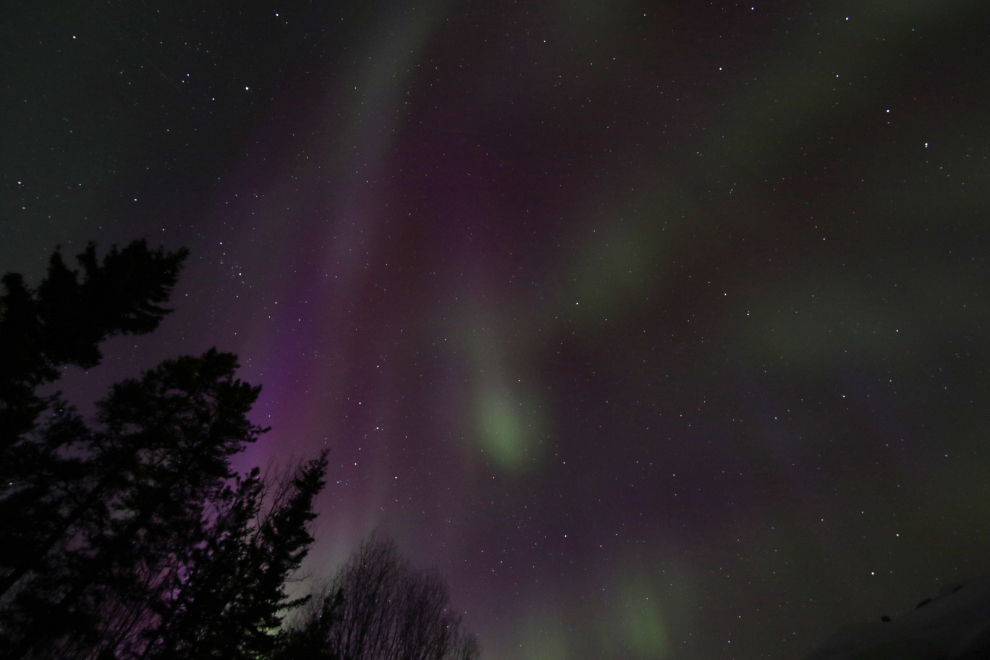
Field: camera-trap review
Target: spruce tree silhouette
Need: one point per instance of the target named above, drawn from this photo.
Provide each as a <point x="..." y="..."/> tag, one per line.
<point x="228" y="605"/>
<point x="65" y="320"/>
<point x="42" y="474"/>
<point x="162" y="448"/>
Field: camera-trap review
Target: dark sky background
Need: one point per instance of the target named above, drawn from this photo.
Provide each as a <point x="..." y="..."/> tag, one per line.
<point x="660" y="328"/>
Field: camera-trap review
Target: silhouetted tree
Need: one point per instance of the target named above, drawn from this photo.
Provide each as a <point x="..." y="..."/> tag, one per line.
<point x="378" y="607"/>
<point x="132" y="537"/>
<point x="309" y="638"/>
<point x="44" y="473"/>
<point x="64" y="321"/>
<point x="229" y="603"/>
<point x="161" y="450"/>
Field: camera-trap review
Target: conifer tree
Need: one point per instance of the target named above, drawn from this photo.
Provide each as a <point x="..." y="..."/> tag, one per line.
<point x="231" y="603"/>
<point x="64" y="321"/>
<point x="44" y="472"/>
<point x="162" y="448"/>
<point x="130" y="533"/>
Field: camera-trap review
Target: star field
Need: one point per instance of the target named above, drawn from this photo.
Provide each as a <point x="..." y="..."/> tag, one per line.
<point x="659" y="328"/>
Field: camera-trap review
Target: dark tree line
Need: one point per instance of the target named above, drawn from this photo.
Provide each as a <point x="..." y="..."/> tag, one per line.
<point x="129" y="535"/>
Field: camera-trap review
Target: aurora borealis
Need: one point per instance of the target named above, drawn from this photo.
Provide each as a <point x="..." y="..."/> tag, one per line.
<point x="659" y="328"/>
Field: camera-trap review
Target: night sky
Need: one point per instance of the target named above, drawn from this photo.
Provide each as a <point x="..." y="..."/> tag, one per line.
<point x="660" y="328"/>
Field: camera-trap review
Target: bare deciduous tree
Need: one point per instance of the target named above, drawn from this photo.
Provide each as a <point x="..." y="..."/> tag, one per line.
<point x="378" y="607"/>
